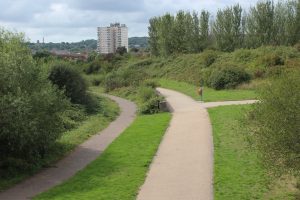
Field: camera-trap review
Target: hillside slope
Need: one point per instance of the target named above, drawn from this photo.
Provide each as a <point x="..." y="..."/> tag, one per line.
<point x="260" y="63"/>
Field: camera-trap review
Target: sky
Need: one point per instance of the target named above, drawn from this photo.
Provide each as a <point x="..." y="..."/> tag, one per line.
<point x="76" y="20"/>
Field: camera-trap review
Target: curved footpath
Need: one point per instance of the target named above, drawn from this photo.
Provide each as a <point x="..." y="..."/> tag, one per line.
<point x="77" y="159"/>
<point x="183" y="166"/>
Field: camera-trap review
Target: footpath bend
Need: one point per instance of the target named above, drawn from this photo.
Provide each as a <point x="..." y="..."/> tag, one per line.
<point x="183" y="165"/>
<point x="77" y="159"/>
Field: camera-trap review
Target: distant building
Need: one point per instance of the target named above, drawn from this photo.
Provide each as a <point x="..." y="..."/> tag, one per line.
<point x="112" y="37"/>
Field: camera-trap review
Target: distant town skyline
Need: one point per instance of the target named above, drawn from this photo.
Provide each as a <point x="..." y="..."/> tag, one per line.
<point x="76" y="20"/>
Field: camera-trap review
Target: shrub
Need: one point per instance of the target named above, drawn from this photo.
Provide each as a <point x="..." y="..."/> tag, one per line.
<point x="30" y="107"/>
<point x="297" y="46"/>
<point x="275" y="122"/>
<point x="243" y="55"/>
<point x="71" y="81"/>
<point x="228" y="78"/>
<point x="73" y="115"/>
<point x="113" y="81"/>
<point x="93" y="67"/>
<point x="209" y="57"/>
<point x="41" y="55"/>
<point x="259" y="73"/>
<point x="150" y="106"/>
<point x="121" y="50"/>
<point x="124" y="77"/>
<point x="92" y="103"/>
<point x="151" y="83"/>
<point x="146" y="93"/>
<point x="271" y="60"/>
<point x="143" y="63"/>
<point x="74" y="86"/>
<point x="96" y="82"/>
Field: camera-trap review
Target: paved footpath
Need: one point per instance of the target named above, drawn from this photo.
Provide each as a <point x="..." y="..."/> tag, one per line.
<point x="225" y="103"/>
<point x="183" y="166"/>
<point x="76" y="160"/>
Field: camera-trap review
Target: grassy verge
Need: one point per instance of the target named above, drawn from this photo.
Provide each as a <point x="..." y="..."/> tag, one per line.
<point x="69" y="140"/>
<point x="238" y="171"/>
<point x="209" y="94"/>
<point x="121" y="169"/>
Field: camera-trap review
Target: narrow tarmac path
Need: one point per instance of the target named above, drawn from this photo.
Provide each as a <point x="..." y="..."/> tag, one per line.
<point x="77" y="159"/>
<point x="183" y="166"/>
<point x="226" y="103"/>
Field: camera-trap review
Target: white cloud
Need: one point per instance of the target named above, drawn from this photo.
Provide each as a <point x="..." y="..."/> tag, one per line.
<point x="75" y="20"/>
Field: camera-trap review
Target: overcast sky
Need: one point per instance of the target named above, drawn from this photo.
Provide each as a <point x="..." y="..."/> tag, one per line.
<point x="76" y="20"/>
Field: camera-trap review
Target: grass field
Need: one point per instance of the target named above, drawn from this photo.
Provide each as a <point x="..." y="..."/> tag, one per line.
<point x="121" y="169"/>
<point x="70" y="139"/>
<point x="238" y="171"/>
<point x="209" y="95"/>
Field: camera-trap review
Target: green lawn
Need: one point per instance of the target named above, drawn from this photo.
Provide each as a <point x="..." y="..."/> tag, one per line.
<point x="119" y="172"/>
<point x="209" y="95"/>
<point x="238" y="171"/>
<point x="69" y="140"/>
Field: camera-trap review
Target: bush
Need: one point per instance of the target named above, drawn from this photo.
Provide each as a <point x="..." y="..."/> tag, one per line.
<point x="271" y="60"/>
<point x="228" y="78"/>
<point x="151" y="83"/>
<point x="121" y="50"/>
<point x="143" y="63"/>
<point x="297" y="46"/>
<point x="96" y="82"/>
<point x="150" y="106"/>
<point x="74" y="86"/>
<point x="244" y="55"/>
<point x="113" y="81"/>
<point x="259" y="73"/>
<point x="92" y="103"/>
<point x="71" y="117"/>
<point x="275" y="123"/>
<point x="30" y="107"/>
<point x="41" y="55"/>
<point x="209" y="57"/>
<point x="146" y="93"/>
<point x="124" y="77"/>
<point x="70" y="80"/>
<point x="93" y="67"/>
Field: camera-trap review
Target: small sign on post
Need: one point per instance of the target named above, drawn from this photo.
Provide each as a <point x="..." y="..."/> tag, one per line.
<point x="200" y="90"/>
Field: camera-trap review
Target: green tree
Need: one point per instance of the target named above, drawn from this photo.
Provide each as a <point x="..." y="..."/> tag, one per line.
<point x="204" y="29"/>
<point x="260" y="24"/>
<point x="30" y="106"/>
<point x="196" y="45"/>
<point x="297" y="24"/>
<point x="189" y="35"/>
<point x="223" y="29"/>
<point x="165" y="35"/>
<point x="285" y="23"/>
<point x="228" y="28"/>
<point x="179" y="33"/>
<point x="237" y="26"/>
<point x="153" y="36"/>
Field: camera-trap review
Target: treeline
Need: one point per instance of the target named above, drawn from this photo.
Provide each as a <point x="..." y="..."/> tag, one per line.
<point x="84" y="45"/>
<point x="233" y="27"/>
